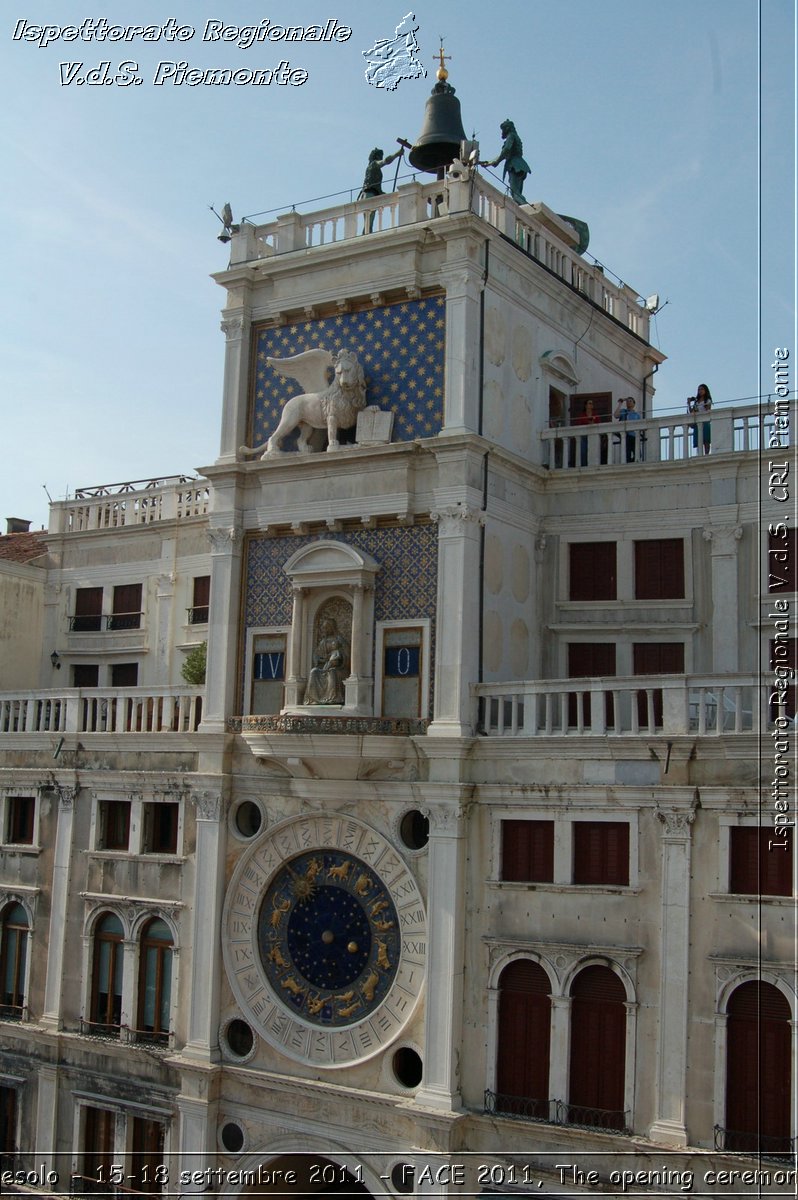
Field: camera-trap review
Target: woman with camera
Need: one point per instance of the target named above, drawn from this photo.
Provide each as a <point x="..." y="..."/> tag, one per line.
<point x="701" y="402"/>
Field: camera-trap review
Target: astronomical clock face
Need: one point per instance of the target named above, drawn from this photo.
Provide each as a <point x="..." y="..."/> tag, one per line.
<point x="326" y="940"/>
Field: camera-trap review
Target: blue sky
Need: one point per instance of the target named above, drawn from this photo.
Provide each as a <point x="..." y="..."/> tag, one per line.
<point x="645" y="119"/>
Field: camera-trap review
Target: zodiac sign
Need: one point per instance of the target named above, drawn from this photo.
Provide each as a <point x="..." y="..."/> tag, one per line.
<point x="291" y="985"/>
<point x="383" y="926"/>
<point x="378" y="906"/>
<point x="315" y="1004"/>
<point x="347" y="1012"/>
<point x="363" y="884"/>
<point x="278" y="913"/>
<point x="314" y="866"/>
<point x="370" y="985"/>
<point x="340" y="872"/>
<point x="345" y="997"/>
<point x="275" y="954"/>
<point x="382" y="955"/>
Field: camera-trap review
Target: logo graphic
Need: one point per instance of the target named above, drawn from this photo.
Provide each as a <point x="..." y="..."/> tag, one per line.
<point x="393" y="59"/>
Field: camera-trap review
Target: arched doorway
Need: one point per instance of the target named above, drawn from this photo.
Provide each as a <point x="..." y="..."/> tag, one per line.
<point x="598" y="1050"/>
<point x="758" y="1055"/>
<point x="522" y="1063"/>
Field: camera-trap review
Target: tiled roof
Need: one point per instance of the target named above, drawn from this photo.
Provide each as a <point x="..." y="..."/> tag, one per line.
<point x="22" y="547"/>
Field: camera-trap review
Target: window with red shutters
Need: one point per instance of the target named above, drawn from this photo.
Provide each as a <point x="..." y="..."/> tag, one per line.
<point x="88" y="610"/>
<point x="527" y="851"/>
<point x="198" y="613"/>
<point x="592" y="571"/>
<point x="598" y="1050"/>
<point x="522" y="1067"/>
<point x="758" y="1076"/>
<point x="126" y="607"/>
<point x="601" y="852"/>
<point x="760" y="861"/>
<point x="659" y="569"/>
<point x="98" y="1147"/>
<point x="590" y="660"/>
<point x="655" y="658"/>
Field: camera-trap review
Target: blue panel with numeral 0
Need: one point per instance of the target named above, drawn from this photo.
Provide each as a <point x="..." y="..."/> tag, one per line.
<point x="401" y="661"/>
<point x="270" y="665"/>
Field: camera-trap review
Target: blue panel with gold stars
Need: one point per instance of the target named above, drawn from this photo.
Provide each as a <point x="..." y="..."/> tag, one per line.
<point x="401" y="349"/>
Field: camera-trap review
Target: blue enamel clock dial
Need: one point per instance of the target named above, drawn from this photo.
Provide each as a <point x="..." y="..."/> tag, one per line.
<point x="328" y="936"/>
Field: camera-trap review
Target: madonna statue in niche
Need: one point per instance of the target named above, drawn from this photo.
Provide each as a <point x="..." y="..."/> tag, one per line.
<point x="330" y="666"/>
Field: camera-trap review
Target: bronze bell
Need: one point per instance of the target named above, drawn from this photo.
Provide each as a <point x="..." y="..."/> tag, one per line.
<point x="438" y="144"/>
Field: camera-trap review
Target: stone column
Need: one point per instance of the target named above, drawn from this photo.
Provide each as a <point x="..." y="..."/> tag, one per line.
<point x="46" y="1118"/>
<point x="203" y="989"/>
<point x="221" y="684"/>
<point x="669" y="1125"/>
<point x="161" y="634"/>
<point x="197" y="1134"/>
<point x="443" y="1018"/>
<point x="236" y="328"/>
<point x="559" y="1053"/>
<point x="59" y="899"/>
<point x="295" y="680"/>
<point x="358" y="687"/>
<point x="725" y="614"/>
<point x="457" y="649"/>
<point x="463" y="289"/>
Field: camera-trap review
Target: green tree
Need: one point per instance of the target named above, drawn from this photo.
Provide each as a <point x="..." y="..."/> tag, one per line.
<point x="193" y="669"/>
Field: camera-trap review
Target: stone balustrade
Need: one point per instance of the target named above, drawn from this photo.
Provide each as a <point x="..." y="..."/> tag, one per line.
<point x="101" y="710"/>
<point x="659" y="439"/>
<point x="640" y="704"/>
<point x="111" y="506"/>
<point x="537" y="231"/>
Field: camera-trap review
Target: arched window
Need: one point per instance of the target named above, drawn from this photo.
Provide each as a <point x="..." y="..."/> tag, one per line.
<point x="598" y="1050"/>
<point x="106" y="994"/>
<point x="13" y="958"/>
<point x="522" y="1067"/>
<point x="758" y="1054"/>
<point x="155" y="982"/>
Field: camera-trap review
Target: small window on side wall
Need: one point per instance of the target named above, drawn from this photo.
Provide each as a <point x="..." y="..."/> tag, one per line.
<point x="601" y="853"/>
<point x="659" y="569"/>
<point x="200" y="604"/>
<point x="20" y="818"/>
<point x="160" y="827"/>
<point x="114" y="825"/>
<point x="527" y="851"/>
<point x="592" y="572"/>
<point x="760" y="861"/>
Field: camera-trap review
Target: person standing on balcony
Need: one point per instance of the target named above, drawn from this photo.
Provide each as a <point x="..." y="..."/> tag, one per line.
<point x="626" y="411"/>
<point x="589" y="417"/>
<point x="701" y="402"/>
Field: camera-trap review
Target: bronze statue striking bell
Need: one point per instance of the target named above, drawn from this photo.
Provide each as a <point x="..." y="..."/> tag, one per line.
<point x="438" y="144"/>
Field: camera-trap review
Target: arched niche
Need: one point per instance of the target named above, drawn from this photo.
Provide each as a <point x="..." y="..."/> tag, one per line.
<point x="333" y="586"/>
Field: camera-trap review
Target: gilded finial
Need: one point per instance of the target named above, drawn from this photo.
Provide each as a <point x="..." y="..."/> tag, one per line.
<point x="442" y="73"/>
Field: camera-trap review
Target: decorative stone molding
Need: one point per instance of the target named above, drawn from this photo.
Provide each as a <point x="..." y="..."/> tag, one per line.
<point x="676" y="822"/>
<point x="232" y="328"/>
<point x="209" y="805"/>
<point x="224" y="538"/>
<point x="66" y="795"/>
<point x="383" y="726"/>
<point x="446" y="820"/>
<point x="452" y="520"/>
<point x="724" y="537"/>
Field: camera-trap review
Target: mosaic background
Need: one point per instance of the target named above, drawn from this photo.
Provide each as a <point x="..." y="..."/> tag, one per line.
<point x="405" y="586"/>
<point x="401" y="349"/>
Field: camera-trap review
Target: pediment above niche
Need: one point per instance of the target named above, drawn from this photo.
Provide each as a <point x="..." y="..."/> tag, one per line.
<point x="560" y="365"/>
<point x="325" y="563"/>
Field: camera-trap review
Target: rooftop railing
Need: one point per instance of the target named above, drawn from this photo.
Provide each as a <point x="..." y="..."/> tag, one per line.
<point x="110" y="506"/>
<point x="536" y="230"/>
<point x="102" y="710"/>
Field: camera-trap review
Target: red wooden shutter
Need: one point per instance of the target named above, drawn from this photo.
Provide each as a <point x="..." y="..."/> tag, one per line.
<point x="592" y="574"/>
<point x="756" y="867"/>
<point x="528" y="851"/>
<point x="655" y="658"/>
<point x="522" y="1068"/>
<point x="591" y="660"/>
<point x="598" y="1048"/>
<point x="758" y="1056"/>
<point x="659" y="569"/>
<point x="601" y="852"/>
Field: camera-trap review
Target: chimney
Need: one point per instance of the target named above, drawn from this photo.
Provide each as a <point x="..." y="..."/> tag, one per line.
<point x="17" y="525"/>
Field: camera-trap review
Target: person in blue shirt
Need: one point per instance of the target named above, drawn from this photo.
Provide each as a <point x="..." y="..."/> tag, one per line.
<point x="626" y="411"/>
